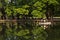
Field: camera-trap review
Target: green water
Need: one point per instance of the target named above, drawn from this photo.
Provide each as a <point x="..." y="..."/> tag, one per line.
<point x="54" y="33"/>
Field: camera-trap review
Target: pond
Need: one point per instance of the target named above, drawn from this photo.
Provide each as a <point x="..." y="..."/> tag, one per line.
<point x="54" y="32"/>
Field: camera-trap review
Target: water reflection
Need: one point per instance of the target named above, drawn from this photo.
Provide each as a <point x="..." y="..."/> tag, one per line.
<point x="21" y="31"/>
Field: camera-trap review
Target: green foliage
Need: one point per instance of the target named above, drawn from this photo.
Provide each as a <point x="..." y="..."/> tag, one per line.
<point x="39" y="11"/>
<point x="0" y="14"/>
<point x="21" y="11"/>
<point x="39" y="4"/>
<point x="8" y="12"/>
<point x="37" y="30"/>
<point x="0" y="4"/>
<point x="22" y="32"/>
<point x="54" y="2"/>
<point x="36" y="13"/>
<point x="38" y="33"/>
<point x="25" y="6"/>
<point x="6" y="1"/>
<point x="0" y="28"/>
